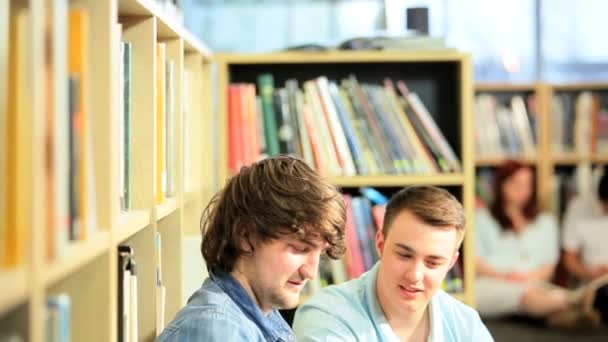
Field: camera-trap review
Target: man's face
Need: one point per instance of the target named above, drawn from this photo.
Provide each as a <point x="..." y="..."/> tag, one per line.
<point x="279" y="269"/>
<point x="415" y="258"/>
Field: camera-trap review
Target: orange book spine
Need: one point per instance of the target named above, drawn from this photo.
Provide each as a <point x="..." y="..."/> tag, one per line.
<point x="78" y="28"/>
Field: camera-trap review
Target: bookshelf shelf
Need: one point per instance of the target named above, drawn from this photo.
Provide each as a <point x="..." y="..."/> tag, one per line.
<point x="130" y="223"/>
<point x="401" y="180"/>
<point x="565" y="159"/>
<point x="579" y="86"/>
<point x="15" y="288"/>
<point x="77" y="254"/>
<point x="483" y="161"/>
<point x="504" y="87"/>
<point x="166" y="208"/>
<point x="599" y="158"/>
<point x="339" y="57"/>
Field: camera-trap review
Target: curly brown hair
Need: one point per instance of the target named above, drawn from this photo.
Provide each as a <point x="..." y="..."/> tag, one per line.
<point x="272" y="198"/>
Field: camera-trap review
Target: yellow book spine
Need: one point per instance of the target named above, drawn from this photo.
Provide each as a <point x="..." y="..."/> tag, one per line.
<point x="77" y="40"/>
<point x="19" y="143"/>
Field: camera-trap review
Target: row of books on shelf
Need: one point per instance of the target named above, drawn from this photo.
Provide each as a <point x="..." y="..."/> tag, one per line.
<point x="69" y="174"/>
<point x="58" y="320"/>
<point x="69" y="189"/>
<point x="128" y="314"/>
<point x="348" y="129"/>
<point x="165" y="134"/>
<point x="127" y="295"/>
<point x="364" y="217"/>
<point x="505" y="125"/>
<point x="580" y="122"/>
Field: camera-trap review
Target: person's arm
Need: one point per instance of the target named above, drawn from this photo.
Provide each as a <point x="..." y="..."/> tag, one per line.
<point x="574" y="265"/>
<point x="485" y="270"/>
<point x="313" y="324"/>
<point x="543" y="273"/>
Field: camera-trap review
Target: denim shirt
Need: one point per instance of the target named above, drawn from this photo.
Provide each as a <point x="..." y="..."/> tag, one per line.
<point x="221" y="310"/>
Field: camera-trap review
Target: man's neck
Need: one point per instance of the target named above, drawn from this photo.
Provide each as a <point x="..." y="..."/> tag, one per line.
<point x="242" y="279"/>
<point x="414" y="326"/>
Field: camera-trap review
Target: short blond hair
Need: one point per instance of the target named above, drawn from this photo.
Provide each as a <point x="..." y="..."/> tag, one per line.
<point x="432" y="205"/>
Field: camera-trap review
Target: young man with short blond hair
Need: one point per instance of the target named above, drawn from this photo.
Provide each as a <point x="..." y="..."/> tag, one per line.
<point x="400" y="299"/>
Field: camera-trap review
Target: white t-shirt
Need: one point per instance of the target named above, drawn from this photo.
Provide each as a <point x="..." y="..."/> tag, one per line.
<point x="590" y="237"/>
<point x="579" y="208"/>
<point x="507" y="251"/>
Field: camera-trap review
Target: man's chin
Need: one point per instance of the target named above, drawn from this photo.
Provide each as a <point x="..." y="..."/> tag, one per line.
<point x="290" y="301"/>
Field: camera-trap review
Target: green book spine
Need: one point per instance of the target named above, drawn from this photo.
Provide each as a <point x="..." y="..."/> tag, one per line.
<point x="266" y="89"/>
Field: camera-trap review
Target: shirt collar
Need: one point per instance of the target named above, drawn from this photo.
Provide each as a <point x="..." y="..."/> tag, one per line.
<point x="273" y="326"/>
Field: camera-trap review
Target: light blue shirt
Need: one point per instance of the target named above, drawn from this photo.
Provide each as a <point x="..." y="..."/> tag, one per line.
<point x="507" y="251"/>
<point x="351" y="312"/>
<point x="221" y="310"/>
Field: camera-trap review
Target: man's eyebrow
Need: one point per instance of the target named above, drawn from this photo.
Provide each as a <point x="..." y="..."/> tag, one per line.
<point x="411" y="250"/>
<point x="312" y="243"/>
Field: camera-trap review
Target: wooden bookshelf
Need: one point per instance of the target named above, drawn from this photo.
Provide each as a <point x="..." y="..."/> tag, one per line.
<point x="564" y="159"/>
<point x="435" y="75"/>
<point x="86" y="268"/>
<point x="504" y="87"/>
<point x="548" y="159"/>
<point x="77" y="255"/>
<point x="505" y="91"/>
<point x="15" y="288"/>
<point x="486" y="161"/>
<point x="383" y="181"/>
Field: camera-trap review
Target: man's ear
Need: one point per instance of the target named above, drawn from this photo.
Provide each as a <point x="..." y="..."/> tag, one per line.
<point x="379" y="242"/>
<point x="454" y="259"/>
<point x="246" y="243"/>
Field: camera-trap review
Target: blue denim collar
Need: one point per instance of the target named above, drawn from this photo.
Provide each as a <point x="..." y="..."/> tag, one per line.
<point x="273" y="326"/>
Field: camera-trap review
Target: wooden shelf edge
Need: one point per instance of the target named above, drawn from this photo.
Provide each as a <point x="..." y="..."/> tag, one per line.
<point x="339" y="56"/>
<point x="505" y="87"/>
<point x="568" y="159"/>
<point x="168" y="27"/>
<point x="600" y="158"/>
<point x="461" y="296"/>
<point x="482" y="161"/>
<point x="14" y="288"/>
<point x="166" y="208"/>
<point x="401" y="180"/>
<point x="78" y="254"/>
<point x="130" y="223"/>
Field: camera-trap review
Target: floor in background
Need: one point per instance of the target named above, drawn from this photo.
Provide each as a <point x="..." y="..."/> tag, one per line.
<point x="523" y="330"/>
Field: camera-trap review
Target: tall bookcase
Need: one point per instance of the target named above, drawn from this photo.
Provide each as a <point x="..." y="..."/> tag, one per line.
<point x="87" y="269"/>
<point x="503" y="93"/>
<point x="443" y="81"/>
<point x="547" y="161"/>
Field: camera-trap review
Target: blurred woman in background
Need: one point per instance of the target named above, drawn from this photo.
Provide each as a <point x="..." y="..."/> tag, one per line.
<point x="517" y="251"/>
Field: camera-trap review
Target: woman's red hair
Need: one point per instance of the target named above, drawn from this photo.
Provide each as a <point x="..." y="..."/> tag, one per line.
<point x="503" y="173"/>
